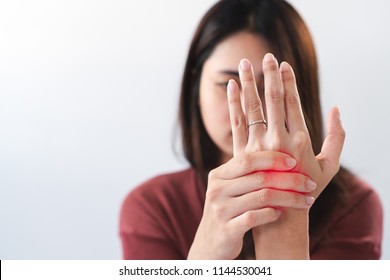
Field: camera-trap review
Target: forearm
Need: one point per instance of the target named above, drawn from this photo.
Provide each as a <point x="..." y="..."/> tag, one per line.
<point x="286" y="238"/>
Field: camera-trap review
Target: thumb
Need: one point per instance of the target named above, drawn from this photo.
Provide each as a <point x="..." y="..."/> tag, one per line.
<point x="333" y="143"/>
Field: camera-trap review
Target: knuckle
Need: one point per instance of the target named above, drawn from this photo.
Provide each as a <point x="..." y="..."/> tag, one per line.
<point x="234" y="101"/>
<point x="270" y="214"/>
<point x="301" y="140"/>
<point x="276" y="143"/>
<point x="342" y="134"/>
<point x="212" y="174"/>
<point x="275" y="95"/>
<point x="254" y="147"/>
<point x="219" y="211"/>
<point x="246" y="162"/>
<point x="213" y="191"/>
<point x="292" y="99"/>
<point x="262" y="178"/>
<point x="253" y="106"/>
<point x="274" y="214"/>
<point x="264" y="196"/>
<point x="249" y="219"/>
<point x="238" y="121"/>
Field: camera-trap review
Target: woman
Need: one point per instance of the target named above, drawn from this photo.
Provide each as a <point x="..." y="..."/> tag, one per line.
<point x="254" y="172"/>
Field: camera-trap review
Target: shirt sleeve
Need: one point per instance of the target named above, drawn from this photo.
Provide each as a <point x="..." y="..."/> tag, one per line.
<point x="143" y="229"/>
<point x="357" y="234"/>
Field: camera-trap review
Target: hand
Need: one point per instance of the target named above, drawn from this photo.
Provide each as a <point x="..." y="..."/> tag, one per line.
<point x="286" y="130"/>
<point x="244" y="193"/>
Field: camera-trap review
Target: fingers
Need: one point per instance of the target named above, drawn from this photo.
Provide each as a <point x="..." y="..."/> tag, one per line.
<point x="333" y="143"/>
<point x="274" y="96"/>
<point x="247" y="163"/>
<point x="294" y="114"/>
<point x="237" y="118"/>
<point x="254" y="218"/>
<point x="283" y="106"/>
<point x="253" y="106"/>
<point x="261" y="207"/>
<point x="271" y="198"/>
<point x="289" y="181"/>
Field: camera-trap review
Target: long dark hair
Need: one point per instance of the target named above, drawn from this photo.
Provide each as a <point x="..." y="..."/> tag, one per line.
<point x="289" y="39"/>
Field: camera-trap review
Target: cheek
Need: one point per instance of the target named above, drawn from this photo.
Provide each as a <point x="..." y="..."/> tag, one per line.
<point x="214" y="109"/>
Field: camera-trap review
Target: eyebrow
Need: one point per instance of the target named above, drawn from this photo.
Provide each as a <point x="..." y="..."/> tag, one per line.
<point x="235" y="73"/>
<point x="229" y="72"/>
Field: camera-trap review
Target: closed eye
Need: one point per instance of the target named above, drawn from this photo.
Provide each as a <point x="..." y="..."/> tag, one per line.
<point x="224" y="85"/>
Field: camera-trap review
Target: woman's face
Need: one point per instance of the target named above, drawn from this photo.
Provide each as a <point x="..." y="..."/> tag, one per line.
<point x="218" y="69"/>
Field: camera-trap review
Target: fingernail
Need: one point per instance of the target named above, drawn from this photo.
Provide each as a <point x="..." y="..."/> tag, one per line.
<point x="244" y="64"/>
<point x="310" y="185"/>
<point x="309" y="200"/>
<point x="291" y="162"/>
<point x="284" y="66"/>
<point x="269" y="57"/>
<point x="231" y="86"/>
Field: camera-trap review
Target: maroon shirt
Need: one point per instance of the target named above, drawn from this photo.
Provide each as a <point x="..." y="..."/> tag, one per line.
<point x="159" y="220"/>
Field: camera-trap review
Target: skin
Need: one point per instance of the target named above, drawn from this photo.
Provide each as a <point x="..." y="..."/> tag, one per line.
<point x="218" y="69"/>
<point x="269" y="176"/>
<point x="283" y="104"/>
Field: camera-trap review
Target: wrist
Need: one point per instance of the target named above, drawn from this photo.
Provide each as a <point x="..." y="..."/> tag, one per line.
<point x="286" y="238"/>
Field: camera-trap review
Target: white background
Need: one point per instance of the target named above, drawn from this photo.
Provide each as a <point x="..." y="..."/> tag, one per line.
<point x="187" y="269"/>
<point x="88" y="103"/>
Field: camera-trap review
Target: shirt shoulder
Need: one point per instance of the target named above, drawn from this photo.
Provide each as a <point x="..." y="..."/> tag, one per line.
<point x="162" y="212"/>
<point x="362" y="202"/>
<point x="166" y="187"/>
<point x="355" y="228"/>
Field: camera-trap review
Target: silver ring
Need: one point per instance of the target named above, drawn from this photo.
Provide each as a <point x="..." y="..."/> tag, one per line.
<point x="257" y="122"/>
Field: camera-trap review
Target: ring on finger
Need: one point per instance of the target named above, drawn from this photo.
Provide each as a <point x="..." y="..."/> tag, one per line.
<point x="258" y="122"/>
